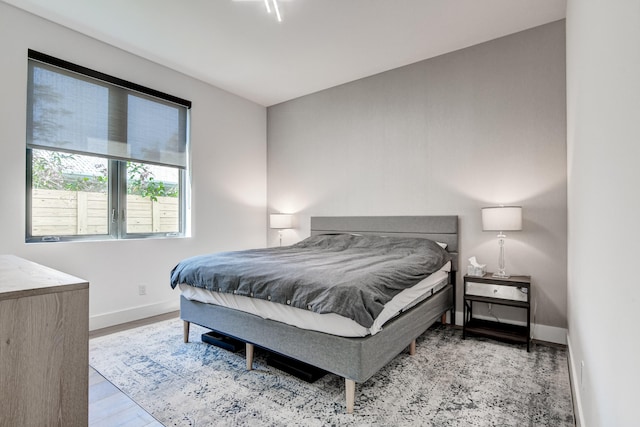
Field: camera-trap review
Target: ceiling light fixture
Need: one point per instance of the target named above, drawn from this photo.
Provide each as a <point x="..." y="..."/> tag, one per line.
<point x="275" y="7"/>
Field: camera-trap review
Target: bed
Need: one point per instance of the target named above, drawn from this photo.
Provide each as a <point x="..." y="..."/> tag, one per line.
<point x="355" y="358"/>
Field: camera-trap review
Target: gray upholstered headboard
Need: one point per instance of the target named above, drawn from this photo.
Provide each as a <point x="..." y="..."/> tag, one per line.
<point x="439" y="228"/>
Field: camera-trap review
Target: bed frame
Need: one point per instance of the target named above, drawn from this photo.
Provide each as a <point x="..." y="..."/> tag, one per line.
<point x="354" y="359"/>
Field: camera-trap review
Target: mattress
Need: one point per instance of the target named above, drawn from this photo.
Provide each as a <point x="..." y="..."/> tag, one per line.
<point x="329" y="323"/>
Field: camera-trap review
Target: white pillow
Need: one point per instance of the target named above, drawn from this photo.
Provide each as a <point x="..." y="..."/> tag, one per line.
<point x="442" y="245"/>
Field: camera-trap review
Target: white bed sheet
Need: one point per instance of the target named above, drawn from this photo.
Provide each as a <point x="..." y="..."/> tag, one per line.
<point x="329" y="323"/>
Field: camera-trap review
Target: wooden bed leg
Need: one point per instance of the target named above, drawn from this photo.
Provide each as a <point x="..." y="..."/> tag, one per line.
<point x="350" y="392"/>
<point x="186" y="331"/>
<point x="412" y="348"/>
<point x="249" y="356"/>
<point x="443" y="319"/>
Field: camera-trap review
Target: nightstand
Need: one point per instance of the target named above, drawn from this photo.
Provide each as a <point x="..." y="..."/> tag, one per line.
<point x="514" y="291"/>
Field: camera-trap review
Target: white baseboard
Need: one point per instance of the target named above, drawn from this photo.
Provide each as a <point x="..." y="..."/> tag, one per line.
<point x="574" y="375"/>
<point x="546" y="333"/>
<point x="105" y="320"/>
<point x="549" y="333"/>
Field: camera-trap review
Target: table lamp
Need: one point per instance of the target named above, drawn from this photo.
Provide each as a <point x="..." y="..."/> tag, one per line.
<point x="280" y="222"/>
<point x="501" y="219"/>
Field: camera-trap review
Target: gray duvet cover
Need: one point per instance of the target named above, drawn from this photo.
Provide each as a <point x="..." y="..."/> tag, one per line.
<point x="351" y="275"/>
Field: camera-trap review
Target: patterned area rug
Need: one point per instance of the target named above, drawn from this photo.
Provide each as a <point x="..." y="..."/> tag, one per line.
<point x="449" y="382"/>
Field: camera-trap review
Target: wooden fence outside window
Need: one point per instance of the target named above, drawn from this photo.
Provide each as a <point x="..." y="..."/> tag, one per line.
<point x="70" y="213"/>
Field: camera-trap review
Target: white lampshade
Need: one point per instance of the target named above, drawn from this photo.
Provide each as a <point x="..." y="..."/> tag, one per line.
<point x="280" y="221"/>
<point x="502" y="218"/>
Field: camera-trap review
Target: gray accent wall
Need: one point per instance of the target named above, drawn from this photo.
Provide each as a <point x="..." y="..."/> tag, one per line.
<point x="481" y="126"/>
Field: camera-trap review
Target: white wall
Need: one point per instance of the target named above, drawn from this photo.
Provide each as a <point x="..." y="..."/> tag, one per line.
<point x="481" y="126"/>
<point x="228" y="173"/>
<point x="603" y="128"/>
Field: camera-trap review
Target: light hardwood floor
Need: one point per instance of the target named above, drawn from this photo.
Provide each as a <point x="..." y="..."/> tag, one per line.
<point x="108" y="406"/>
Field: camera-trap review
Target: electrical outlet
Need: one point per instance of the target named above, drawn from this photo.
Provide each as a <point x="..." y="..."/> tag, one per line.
<point x="142" y="289"/>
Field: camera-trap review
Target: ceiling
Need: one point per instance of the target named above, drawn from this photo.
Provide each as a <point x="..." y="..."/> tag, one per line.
<point x="235" y="45"/>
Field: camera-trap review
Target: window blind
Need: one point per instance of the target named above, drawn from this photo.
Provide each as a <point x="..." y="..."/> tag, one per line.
<point x="77" y="110"/>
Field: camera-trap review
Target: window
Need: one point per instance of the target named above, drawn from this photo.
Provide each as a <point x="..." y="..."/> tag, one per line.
<point x="106" y="158"/>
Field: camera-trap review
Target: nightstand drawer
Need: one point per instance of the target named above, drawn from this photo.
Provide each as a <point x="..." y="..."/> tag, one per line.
<point x="512" y="293"/>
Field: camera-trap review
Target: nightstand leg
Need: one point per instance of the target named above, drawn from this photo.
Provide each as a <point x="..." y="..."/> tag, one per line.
<point x="466" y="316"/>
<point x="528" y="326"/>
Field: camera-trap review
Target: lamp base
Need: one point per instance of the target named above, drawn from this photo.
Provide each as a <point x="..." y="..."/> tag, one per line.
<point x="501" y="275"/>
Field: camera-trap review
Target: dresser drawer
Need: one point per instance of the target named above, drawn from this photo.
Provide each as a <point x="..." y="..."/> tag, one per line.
<point x="512" y="293"/>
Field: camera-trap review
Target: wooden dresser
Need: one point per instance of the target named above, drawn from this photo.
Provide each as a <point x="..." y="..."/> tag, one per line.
<point x="44" y="345"/>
